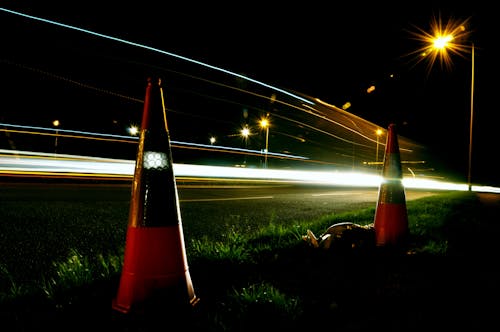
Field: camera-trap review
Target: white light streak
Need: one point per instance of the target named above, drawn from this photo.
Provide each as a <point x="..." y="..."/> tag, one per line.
<point x="16" y="162"/>
<point x="154" y="50"/>
<point x="67" y="131"/>
<point x="173" y="142"/>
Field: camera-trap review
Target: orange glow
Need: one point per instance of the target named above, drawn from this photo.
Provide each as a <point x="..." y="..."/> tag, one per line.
<point x="443" y="40"/>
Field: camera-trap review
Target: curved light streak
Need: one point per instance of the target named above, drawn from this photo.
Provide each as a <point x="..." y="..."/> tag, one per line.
<point x="155" y="50"/>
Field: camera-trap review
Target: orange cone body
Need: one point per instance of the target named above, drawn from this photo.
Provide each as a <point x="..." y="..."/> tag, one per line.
<point x="155" y="262"/>
<point x="391" y="217"/>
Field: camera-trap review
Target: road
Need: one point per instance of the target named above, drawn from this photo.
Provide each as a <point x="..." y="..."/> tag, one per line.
<point x="225" y="205"/>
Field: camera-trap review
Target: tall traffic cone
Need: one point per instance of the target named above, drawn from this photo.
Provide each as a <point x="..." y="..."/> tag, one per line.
<point x="391" y="216"/>
<point x="155" y="261"/>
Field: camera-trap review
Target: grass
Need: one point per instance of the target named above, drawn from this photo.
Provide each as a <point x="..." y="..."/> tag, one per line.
<point x="51" y="276"/>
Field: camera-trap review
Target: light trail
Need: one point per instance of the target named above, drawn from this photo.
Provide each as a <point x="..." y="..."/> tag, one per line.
<point x="134" y="139"/>
<point x="79" y="132"/>
<point x="225" y="199"/>
<point x="19" y="163"/>
<point x="154" y="50"/>
<point x="308" y="105"/>
<point x="342" y="125"/>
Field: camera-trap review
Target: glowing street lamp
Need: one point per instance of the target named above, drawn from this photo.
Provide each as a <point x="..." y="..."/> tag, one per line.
<point x="133" y="130"/>
<point x="264" y="123"/>
<point x="378" y="132"/>
<point x="245" y="132"/>
<point x="443" y="41"/>
<point x="56" y="124"/>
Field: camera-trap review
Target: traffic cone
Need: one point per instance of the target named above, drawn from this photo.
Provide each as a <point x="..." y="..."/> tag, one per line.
<point x="155" y="268"/>
<point x="391" y="216"/>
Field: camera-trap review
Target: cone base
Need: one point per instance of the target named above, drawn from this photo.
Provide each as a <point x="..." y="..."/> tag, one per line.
<point x="138" y="295"/>
<point x="391" y="225"/>
<point x="154" y="270"/>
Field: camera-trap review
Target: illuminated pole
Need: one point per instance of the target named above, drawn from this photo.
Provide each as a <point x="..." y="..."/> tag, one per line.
<point x="267" y="146"/>
<point x="56" y="124"/>
<point x="442" y="41"/>
<point x="471" y="121"/>
<point x="378" y="132"/>
<point x="245" y="132"/>
<point x="264" y="123"/>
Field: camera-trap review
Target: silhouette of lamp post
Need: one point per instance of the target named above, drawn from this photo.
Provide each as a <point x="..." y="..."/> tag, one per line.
<point x="378" y="132"/>
<point x="264" y="123"/>
<point x="245" y="132"/>
<point x="56" y="124"/>
<point x="440" y="44"/>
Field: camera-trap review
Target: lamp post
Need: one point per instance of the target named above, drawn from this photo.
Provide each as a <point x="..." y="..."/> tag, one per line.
<point x="447" y="37"/>
<point x="441" y="48"/>
<point x="264" y="123"/>
<point x="471" y="120"/>
<point x="245" y="132"/>
<point x="56" y="124"/>
<point x="378" y="132"/>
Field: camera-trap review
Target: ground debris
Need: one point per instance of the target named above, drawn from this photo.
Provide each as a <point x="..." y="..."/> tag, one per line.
<point x="346" y="235"/>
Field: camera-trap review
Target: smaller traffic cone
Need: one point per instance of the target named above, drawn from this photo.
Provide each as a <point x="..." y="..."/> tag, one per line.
<point x="391" y="216"/>
<point x="155" y="270"/>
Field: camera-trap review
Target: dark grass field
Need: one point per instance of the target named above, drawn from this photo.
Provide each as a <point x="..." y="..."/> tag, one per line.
<point x="342" y="289"/>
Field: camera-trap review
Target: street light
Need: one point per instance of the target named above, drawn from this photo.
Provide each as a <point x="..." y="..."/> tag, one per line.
<point x="439" y="44"/>
<point x="133" y="130"/>
<point x="245" y="132"/>
<point x="264" y="123"/>
<point x="378" y="132"/>
<point x="56" y="124"/>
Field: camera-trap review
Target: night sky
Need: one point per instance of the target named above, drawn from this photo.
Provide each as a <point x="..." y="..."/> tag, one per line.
<point x="325" y="50"/>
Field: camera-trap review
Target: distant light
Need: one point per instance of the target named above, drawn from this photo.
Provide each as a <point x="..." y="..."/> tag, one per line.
<point x="370" y="89"/>
<point x="133" y="130"/>
<point x="212" y="140"/>
<point x="346" y="106"/>
<point x="245" y="132"/>
<point x="56" y="123"/>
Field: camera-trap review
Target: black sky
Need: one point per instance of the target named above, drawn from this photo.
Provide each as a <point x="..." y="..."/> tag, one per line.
<point x="323" y="49"/>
